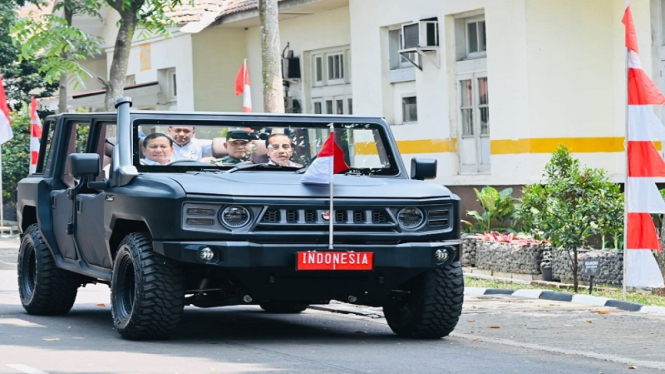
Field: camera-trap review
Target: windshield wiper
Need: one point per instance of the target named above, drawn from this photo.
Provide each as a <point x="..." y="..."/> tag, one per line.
<point x="262" y="166"/>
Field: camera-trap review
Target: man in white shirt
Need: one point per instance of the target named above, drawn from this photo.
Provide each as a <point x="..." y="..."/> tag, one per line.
<point x="186" y="146"/>
<point x="280" y="150"/>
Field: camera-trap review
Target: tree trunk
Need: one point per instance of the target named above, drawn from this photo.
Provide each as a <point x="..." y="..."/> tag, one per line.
<point x="62" y="86"/>
<point x="273" y="90"/>
<point x="62" y="94"/>
<point x="123" y="45"/>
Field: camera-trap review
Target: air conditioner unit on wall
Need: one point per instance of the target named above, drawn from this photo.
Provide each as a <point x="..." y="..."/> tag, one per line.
<point x="421" y="34"/>
<point x="291" y="67"/>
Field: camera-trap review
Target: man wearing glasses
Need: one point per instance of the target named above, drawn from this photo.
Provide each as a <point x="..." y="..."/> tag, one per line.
<point x="280" y="150"/>
<point x="185" y="145"/>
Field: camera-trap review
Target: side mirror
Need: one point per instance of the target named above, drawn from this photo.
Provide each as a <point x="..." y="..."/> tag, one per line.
<point x="423" y="168"/>
<point x="84" y="165"/>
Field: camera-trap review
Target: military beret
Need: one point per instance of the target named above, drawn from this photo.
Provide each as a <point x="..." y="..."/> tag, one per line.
<point x="239" y="135"/>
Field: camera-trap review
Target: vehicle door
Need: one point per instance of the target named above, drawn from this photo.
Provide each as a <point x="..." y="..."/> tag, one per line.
<point x="61" y="197"/>
<point x="89" y="215"/>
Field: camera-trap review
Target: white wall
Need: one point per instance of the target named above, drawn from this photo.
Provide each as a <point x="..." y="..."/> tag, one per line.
<point x="218" y="54"/>
<point x="555" y="70"/>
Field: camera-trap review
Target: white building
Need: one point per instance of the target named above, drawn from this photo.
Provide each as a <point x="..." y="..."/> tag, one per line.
<point x="545" y="72"/>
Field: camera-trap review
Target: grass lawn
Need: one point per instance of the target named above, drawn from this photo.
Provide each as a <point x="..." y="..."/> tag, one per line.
<point x="602" y="291"/>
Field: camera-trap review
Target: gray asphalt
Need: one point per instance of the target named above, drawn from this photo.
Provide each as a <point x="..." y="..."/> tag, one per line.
<point x="497" y="334"/>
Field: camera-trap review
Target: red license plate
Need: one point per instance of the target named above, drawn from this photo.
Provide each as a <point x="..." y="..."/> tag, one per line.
<point x="328" y="260"/>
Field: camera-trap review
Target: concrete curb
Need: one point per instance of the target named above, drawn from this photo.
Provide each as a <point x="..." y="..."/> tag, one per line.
<point x="562" y="296"/>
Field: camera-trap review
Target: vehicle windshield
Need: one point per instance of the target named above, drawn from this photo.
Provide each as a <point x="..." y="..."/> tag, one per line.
<point x="181" y="146"/>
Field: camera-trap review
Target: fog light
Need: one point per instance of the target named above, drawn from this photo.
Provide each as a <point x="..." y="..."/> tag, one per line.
<point x="206" y="254"/>
<point x="441" y="255"/>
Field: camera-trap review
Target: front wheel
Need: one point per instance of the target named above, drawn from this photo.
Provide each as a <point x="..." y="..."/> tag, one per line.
<point x="44" y="288"/>
<point x="431" y="305"/>
<point x="147" y="290"/>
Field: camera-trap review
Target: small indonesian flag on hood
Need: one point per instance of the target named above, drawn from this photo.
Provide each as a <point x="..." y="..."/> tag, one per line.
<point x="329" y="161"/>
<point x="6" y="133"/>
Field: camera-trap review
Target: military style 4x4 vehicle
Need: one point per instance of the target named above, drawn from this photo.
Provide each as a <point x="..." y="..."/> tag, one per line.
<point x="207" y="225"/>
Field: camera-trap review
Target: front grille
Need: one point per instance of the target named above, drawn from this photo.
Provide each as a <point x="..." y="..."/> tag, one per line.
<point x="274" y="219"/>
<point x="378" y="216"/>
<point x="271" y="215"/>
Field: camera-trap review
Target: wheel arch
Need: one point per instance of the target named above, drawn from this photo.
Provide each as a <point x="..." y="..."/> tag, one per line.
<point x="28" y="217"/>
<point x="122" y="228"/>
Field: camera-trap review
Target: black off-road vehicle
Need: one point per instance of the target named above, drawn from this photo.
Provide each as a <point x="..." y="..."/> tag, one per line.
<point x="164" y="230"/>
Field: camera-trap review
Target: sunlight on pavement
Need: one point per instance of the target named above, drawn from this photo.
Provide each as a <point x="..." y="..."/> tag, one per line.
<point x="18" y="322"/>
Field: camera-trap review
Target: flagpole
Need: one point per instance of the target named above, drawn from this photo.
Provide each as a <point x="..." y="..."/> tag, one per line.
<point x="625" y="183"/>
<point x="332" y="212"/>
<point x="2" y="202"/>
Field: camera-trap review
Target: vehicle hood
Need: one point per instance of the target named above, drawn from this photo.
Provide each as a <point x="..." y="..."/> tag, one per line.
<point x="288" y="184"/>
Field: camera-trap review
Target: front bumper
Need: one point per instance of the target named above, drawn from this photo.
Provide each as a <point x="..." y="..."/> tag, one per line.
<point x="268" y="271"/>
<point x="243" y="254"/>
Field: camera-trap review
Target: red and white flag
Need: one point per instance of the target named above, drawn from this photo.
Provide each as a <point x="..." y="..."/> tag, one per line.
<point x="6" y="132"/>
<point x="35" y="135"/>
<point x="329" y="161"/>
<point x="645" y="165"/>
<point x="242" y="87"/>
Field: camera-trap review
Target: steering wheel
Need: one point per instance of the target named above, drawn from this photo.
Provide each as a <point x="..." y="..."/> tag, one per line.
<point x="187" y="163"/>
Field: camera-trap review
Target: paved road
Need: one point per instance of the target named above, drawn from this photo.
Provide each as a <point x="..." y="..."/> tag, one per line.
<point x="497" y="334"/>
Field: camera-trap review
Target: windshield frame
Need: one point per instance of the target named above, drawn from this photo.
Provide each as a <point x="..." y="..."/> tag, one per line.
<point x="386" y="149"/>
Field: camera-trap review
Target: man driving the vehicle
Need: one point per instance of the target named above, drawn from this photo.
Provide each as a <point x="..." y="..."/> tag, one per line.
<point x="280" y="150"/>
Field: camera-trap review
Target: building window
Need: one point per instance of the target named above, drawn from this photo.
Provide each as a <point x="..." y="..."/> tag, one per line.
<point x="173" y="84"/>
<point x="397" y="61"/>
<point x="466" y="107"/>
<point x="335" y="67"/>
<point x="475" y="37"/>
<point x="483" y="106"/>
<point x="318" y="69"/>
<point x="409" y="109"/>
<point x="130" y="80"/>
<point x="318" y="109"/>
<point x="329" y="68"/>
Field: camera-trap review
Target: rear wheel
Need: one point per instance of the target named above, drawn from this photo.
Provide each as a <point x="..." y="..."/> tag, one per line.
<point x="44" y="288"/>
<point x="431" y="306"/>
<point x="283" y="307"/>
<point x="147" y="290"/>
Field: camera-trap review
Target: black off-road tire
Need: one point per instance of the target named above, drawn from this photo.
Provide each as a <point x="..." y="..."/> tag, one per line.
<point x="431" y="307"/>
<point x="283" y="307"/>
<point x="44" y="288"/>
<point x="147" y="290"/>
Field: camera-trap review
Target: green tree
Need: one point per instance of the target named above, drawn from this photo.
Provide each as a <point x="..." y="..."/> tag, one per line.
<point x="16" y="155"/>
<point x="59" y="46"/>
<point x="22" y="78"/>
<point x="63" y="45"/>
<point x="151" y="17"/>
<point x="571" y="205"/>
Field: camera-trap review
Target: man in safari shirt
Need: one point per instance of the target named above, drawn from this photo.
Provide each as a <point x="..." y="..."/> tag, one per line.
<point x="186" y="146"/>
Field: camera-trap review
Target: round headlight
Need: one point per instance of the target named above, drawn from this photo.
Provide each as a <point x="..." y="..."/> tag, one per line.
<point x="235" y="216"/>
<point x="410" y="218"/>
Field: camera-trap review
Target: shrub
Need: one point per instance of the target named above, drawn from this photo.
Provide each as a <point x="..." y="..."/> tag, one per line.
<point x="16" y="156"/>
<point x="497" y="208"/>
<point x="572" y="205"/>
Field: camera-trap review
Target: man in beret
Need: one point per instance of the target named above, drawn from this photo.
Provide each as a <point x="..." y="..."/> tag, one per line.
<point x="240" y="147"/>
